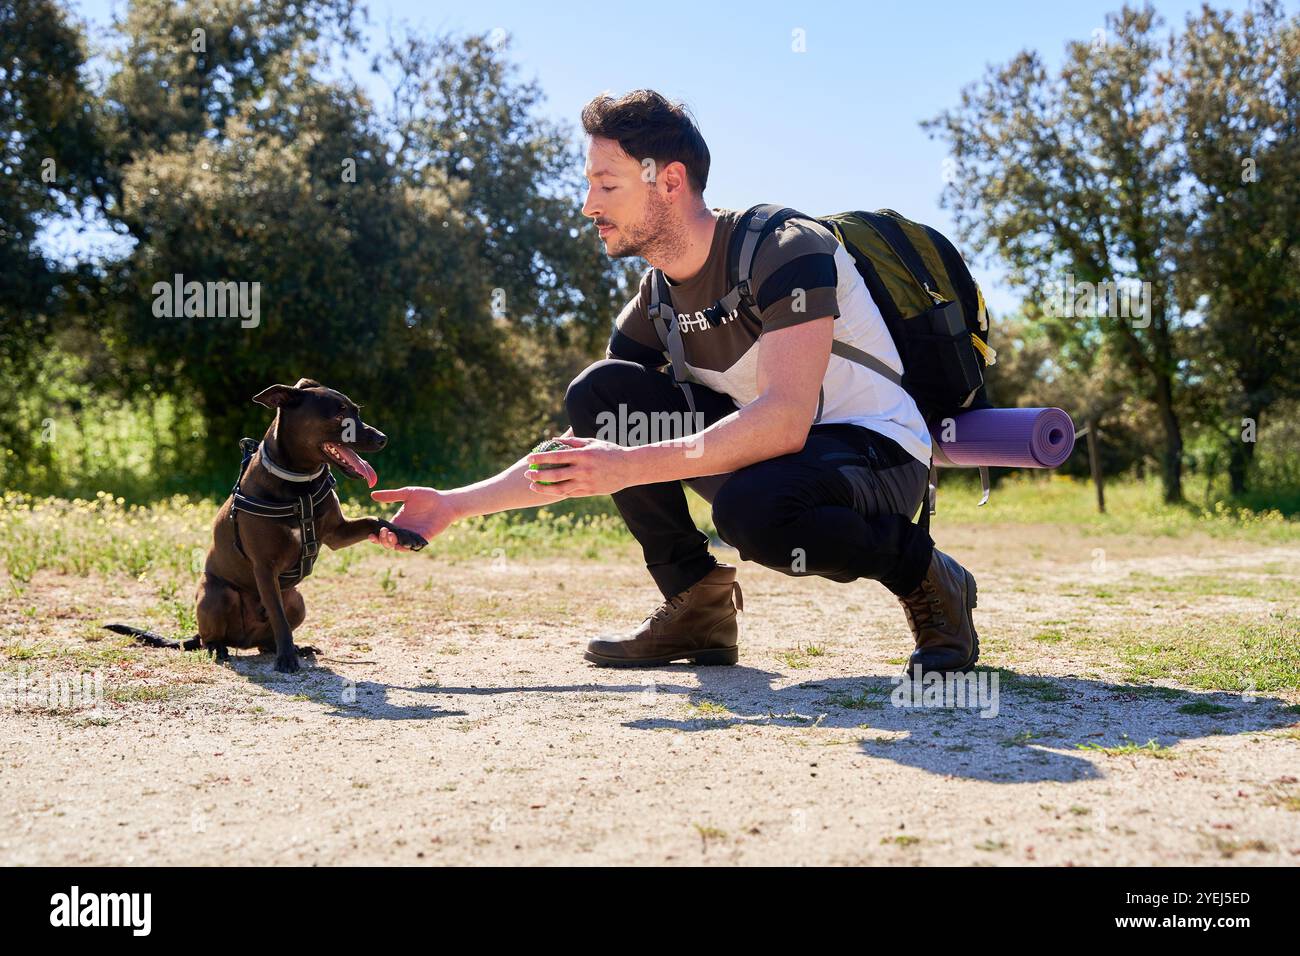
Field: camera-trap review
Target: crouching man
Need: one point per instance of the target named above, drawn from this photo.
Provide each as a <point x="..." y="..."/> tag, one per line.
<point x="814" y="464"/>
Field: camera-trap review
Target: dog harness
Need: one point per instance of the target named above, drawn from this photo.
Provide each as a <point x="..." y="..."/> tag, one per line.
<point x="317" y="488"/>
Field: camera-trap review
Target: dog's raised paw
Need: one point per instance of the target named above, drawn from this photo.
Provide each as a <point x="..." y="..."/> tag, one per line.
<point x="409" y="539"/>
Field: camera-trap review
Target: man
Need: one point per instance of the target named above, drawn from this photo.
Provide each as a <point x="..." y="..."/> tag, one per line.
<point x="815" y="464"/>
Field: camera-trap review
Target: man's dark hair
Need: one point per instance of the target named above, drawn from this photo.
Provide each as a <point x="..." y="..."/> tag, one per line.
<point x="646" y="124"/>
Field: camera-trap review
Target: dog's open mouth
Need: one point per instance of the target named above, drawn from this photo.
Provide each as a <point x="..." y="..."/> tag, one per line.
<point x="352" y="464"/>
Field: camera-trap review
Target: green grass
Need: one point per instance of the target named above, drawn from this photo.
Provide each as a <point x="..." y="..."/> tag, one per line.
<point x="137" y="694"/>
<point x="863" y="700"/>
<point x="902" y="840"/>
<point x="103" y="535"/>
<point x="1041" y="688"/>
<point x="707" y="708"/>
<point x="798" y="658"/>
<point x="1132" y="507"/>
<point x="1226" y="654"/>
<point x="1024" y="737"/>
<point x="1129" y="748"/>
<point x="1204" y="708"/>
<point x="166" y="542"/>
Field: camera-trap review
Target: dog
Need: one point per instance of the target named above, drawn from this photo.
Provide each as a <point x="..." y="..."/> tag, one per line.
<point x="267" y="533"/>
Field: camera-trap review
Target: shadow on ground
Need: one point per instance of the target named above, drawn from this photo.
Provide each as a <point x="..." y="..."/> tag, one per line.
<point x="358" y="700"/>
<point x="1023" y="729"/>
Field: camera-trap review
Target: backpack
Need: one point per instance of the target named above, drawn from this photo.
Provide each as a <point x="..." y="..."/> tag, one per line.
<point x="931" y="304"/>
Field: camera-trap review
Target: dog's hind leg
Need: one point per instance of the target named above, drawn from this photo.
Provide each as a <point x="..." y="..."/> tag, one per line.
<point x="218" y="614"/>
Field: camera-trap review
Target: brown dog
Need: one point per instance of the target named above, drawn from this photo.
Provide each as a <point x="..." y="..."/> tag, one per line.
<point x="266" y="535"/>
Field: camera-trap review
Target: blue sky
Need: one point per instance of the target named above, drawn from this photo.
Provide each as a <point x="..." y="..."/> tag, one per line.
<point x="832" y="128"/>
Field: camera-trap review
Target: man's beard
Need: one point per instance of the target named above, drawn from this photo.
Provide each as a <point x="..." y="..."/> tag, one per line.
<point x="658" y="237"/>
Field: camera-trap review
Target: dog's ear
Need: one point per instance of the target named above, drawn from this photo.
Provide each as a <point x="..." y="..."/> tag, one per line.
<point x="308" y="383"/>
<point x="278" y="396"/>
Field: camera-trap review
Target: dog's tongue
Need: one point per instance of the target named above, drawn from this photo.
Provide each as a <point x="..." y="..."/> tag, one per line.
<point x="359" y="464"/>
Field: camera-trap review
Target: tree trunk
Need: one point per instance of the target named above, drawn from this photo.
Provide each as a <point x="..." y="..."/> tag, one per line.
<point x="1172" y="464"/>
<point x="1242" y="453"/>
<point x="1094" y="465"/>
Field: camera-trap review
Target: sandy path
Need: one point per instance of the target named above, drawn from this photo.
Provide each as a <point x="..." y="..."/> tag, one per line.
<point x="454" y="721"/>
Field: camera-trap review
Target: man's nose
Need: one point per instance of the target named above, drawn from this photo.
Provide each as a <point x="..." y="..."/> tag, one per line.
<point x="588" y="208"/>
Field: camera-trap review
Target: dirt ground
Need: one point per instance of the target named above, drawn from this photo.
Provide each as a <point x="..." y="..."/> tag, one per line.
<point x="451" y="719"/>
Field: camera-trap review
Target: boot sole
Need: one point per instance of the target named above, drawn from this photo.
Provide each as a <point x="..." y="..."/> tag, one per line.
<point x="706" y="658"/>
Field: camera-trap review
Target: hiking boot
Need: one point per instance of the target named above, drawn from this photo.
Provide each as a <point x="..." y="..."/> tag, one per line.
<point x="698" y="625"/>
<point x="939" y="613"/>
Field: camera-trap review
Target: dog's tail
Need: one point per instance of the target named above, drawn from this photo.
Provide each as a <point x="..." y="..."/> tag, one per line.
<point x="152" y="639"/>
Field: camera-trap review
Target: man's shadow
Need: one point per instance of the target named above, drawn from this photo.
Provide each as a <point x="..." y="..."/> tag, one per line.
<point x="1022" y="729"/>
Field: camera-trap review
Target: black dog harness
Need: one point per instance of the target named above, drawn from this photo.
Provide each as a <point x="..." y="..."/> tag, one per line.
<point x="303" y="509"/>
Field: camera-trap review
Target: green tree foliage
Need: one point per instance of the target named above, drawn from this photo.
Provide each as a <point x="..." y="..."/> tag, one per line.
<point x="1168" y="159"/>
<point x="1074" y="174"/>
<point x="51" y="165"/>
<point x="1236" y="97"/>
<point x="423" y="256"/>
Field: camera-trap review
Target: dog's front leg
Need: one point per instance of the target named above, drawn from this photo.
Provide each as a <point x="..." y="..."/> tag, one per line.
<point x="268" y="589"/>
<point x="349" y="533"/>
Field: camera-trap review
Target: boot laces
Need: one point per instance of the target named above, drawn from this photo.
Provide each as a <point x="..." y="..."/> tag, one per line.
<point x="669" y="608"/>
<point x="924" y="607"/>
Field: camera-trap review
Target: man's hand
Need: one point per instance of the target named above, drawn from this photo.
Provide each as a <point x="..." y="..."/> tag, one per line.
<point x="426" y="511"/>
<point x="594" y="467"/>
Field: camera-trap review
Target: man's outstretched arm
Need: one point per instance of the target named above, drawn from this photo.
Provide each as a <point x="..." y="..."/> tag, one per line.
<point x="428" y="511"/>
<point x="791" y="366"/>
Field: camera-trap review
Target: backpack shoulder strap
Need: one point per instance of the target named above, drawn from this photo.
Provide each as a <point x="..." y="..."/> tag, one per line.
<point x="755" y="225"/>
<point x="885" y="223"/>
<point x="664" y="317"/>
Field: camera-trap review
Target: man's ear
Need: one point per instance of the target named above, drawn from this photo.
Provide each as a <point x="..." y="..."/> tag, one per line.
<point x="278" y="396"/>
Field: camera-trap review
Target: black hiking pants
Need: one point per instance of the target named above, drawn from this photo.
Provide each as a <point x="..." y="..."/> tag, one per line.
<point x="840" y="508"/>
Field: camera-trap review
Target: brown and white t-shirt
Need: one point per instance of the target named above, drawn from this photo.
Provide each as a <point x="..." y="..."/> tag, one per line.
<point x="800" y="273"/>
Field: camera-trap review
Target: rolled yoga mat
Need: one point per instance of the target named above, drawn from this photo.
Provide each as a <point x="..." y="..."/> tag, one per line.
<point x="1006" y="438"/>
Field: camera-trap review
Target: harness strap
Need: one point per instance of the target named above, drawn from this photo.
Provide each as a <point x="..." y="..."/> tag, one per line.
<point x="303" y="509"/>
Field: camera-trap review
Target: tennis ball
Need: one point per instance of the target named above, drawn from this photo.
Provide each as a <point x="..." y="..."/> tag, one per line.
<point x="550" y="444"/>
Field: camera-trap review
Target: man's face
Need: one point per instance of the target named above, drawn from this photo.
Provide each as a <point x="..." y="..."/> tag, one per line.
<point x="626" y="202"/>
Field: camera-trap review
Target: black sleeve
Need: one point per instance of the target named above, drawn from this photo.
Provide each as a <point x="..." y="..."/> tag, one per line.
<point x="623" y="346"/>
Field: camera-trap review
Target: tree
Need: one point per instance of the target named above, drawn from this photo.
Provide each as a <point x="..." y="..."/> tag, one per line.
<point x="50" y="165"/>
<point x="404" y="256"/>
<point x="1076" y="175"/>
<point x="1236" y="100"/>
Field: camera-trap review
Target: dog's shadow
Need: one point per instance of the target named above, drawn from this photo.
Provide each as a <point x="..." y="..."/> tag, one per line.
<point x="346" y="697"/>
<point x="1021" y="729"/>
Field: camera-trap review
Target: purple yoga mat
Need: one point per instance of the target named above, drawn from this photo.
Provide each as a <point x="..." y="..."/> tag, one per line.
<point x="1006" y="438"/>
